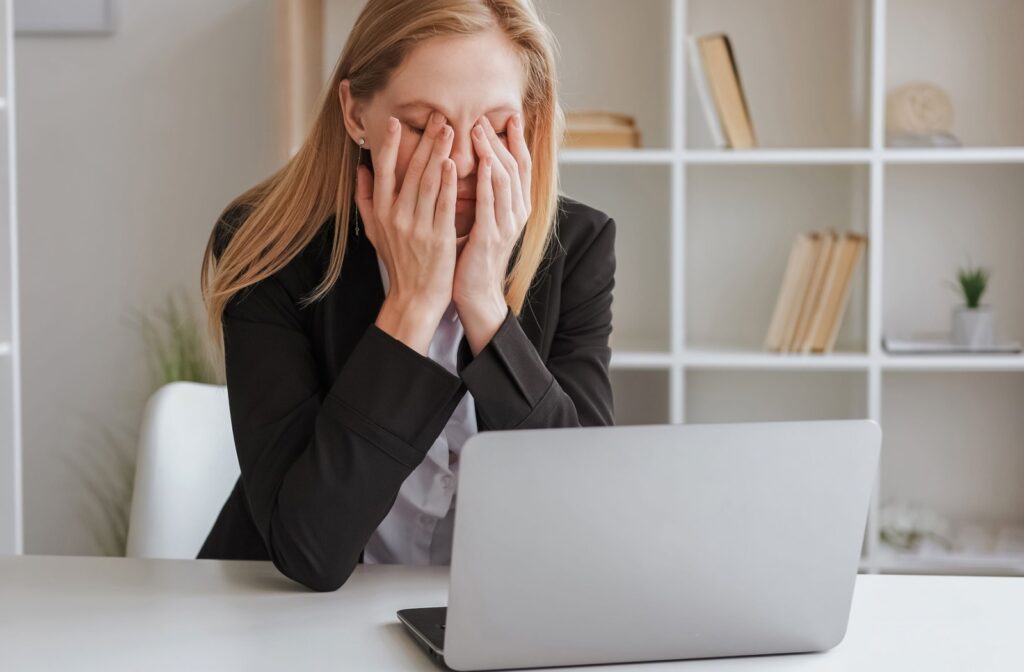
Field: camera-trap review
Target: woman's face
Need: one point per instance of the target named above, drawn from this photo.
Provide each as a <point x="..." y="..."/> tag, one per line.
<point x="464" y="78"/>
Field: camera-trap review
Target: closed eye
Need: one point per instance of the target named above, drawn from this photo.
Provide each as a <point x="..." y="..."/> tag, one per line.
<point x="420" y="131"/>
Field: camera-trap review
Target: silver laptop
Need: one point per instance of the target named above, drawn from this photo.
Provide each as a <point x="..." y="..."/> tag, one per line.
<point x="576" y="546"/>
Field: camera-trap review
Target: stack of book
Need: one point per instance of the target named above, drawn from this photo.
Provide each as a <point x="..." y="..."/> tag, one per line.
<point x="815" y="290"/>
<point x="717" y="80"/>
<point x="597" y="129"/>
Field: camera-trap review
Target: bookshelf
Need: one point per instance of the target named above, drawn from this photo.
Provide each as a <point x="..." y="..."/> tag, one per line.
<point x="686" y="335"/>
<point x="686" y="344"/>
<point x="11" y="536"/>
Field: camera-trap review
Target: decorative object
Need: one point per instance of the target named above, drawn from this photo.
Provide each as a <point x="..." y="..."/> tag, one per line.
<point x="64" y="17"/>
<point x="907" y="527"/>
<point x="973" y="325"/>
<point x="919" y="114"/>
<point x="913" y="530"/>
<point x="973" y="322"/>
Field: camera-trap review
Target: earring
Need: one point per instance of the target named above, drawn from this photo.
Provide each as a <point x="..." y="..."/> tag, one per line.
<point x="362" y="141"/>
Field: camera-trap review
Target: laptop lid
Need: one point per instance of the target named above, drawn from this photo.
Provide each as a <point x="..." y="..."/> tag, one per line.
<point x="575" y="546"/>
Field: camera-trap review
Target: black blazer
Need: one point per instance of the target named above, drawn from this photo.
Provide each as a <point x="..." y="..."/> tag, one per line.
<point x="330" y="414"/>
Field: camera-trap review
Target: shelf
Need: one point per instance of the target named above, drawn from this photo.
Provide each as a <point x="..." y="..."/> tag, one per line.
<point x="777" y="156"/>
<point x="970" y="48"/>
<point x="959" y="213"/>
<point x="818" y="156"/>
<point x="803" y="64"/>
<point x="953" y="362"/>
<point x="633" y="359"/>
<point x="751" y="396"/>
<point x="955" y="155"/>
<point x="723" y="358"/>
<point x="616" y="156"/>
<point x="952" y="444"/>
<point x="641" y="397"/>
<point x="638" y="198"/>
<point x="716" y="156"/>
<point x="741" y="222"/>
<point x="892" y="561"/>
<point x="715" y="245"/>
<point x="604" y="66"/>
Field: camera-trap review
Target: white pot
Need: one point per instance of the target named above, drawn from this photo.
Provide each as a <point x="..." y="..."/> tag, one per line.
<point x="973" y="327"/>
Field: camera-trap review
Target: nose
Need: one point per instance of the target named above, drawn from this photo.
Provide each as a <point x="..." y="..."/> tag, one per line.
<point x="463" y="152"/>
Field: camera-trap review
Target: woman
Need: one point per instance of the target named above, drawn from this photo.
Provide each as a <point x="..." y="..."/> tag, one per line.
<point x="461" y="293"/>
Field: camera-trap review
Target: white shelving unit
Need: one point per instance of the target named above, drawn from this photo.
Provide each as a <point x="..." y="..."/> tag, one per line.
<point x="11" y="536"/>
<point x="703" y="234"/>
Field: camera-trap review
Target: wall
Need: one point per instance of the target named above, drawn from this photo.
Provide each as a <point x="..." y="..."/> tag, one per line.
<point x="129" y="145"/>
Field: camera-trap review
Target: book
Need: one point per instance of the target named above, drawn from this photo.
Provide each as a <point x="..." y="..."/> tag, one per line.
<point x="823" y="303"/>
<point x="723" y="79"/>
<point x="707" y="104"/>
<point x="822" y="259"/>
<point x="794" y="283"/>
<point x="936" y="139"/>
<point x="940" y="342"/>
<point x="815" y="291"/>
<point x="835" y="294"/>
<point x="599" y="129"/>
<point x="855" y="252"/>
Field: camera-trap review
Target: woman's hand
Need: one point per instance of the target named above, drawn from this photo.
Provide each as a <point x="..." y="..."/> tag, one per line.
<point x="502" y="208"/>
<point x="413" y="231"/>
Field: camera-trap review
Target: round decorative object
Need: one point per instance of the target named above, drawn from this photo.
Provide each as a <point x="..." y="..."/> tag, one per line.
<point x="918" y="107"/>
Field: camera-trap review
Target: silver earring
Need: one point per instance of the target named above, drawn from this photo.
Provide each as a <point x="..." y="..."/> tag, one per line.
<point x="362" y="141"/>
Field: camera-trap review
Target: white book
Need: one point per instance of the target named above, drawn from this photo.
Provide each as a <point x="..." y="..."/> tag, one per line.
<point x="707" y="103"/>
<point x="937" y="342"/>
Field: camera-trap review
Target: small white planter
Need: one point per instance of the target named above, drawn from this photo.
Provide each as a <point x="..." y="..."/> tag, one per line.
<point x="973" y="327"/>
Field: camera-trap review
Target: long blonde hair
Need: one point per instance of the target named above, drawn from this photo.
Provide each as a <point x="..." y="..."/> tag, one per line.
<point x="285" y="211"/>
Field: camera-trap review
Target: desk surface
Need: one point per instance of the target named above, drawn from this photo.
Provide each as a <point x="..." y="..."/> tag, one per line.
<point x="116" y="613"/>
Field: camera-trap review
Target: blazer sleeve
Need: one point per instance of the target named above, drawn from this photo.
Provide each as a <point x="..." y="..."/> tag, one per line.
<point x="513" y="388"/>
<point x="320" y="470"/>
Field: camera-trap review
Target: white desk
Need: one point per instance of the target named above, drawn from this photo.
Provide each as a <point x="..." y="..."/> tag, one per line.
<point x="65" y="613"/>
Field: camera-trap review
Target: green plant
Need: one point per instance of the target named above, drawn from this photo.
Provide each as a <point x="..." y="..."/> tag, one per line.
<point x="175" y="345"/>
<point x="971" y="282"/>
<point x="105" y="467"/>
<point x="106" y="470"/>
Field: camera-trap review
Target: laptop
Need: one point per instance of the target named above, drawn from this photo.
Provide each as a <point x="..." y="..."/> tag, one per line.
<point x="618" y="544"/>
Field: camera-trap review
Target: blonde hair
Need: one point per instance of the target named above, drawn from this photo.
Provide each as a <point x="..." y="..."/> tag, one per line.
<point x="284" y="212"/>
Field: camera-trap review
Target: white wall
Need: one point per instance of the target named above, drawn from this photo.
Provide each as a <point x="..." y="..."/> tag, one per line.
<point x="129" y="146"/>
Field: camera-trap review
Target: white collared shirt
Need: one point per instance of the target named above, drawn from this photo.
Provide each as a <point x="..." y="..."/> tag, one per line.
<point x="418" y="528"/>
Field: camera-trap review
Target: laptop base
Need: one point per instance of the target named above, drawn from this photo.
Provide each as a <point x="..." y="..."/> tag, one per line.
<point x="427" y="627"/>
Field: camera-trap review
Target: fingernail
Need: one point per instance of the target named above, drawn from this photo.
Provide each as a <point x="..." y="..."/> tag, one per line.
<point x="479" y="130"/>
<point x="517" y="119"/>
<point x="392" y="123"/>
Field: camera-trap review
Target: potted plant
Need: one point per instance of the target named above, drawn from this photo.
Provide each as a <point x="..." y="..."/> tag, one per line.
<point x="972" y="321"/>
<point x="175" y="351"/>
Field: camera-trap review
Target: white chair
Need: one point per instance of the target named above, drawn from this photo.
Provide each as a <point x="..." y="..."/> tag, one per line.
<point x="185" y="469"/>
